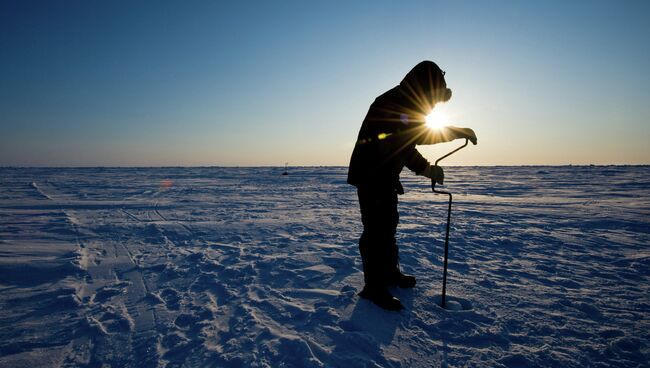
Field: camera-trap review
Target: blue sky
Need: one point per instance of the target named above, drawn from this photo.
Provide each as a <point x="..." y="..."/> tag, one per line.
<point x="120" y="83"/>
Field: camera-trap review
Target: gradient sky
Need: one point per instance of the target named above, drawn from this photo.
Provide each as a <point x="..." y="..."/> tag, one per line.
<point x="151" y="83"/>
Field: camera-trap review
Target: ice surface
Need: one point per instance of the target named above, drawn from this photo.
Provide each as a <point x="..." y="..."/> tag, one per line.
<point x="232" y="267"/>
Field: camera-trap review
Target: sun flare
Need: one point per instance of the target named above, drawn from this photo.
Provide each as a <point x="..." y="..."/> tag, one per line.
<point x="437" y="119"/>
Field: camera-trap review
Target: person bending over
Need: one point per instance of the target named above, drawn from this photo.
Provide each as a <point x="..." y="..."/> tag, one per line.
<point x="393" y="126"/>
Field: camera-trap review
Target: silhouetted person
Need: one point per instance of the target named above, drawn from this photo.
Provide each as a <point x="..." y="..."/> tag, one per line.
<point x="395" y="123"/>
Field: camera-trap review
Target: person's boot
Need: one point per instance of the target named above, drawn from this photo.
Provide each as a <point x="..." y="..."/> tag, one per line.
<point x="382" y="297"/>
<point x="402" y="280"/>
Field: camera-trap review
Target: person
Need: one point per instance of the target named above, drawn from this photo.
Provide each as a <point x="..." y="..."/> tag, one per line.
<point x="393" y="126"/>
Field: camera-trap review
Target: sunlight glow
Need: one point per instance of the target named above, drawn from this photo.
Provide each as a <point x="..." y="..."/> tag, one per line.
<point x="437" y="119"/>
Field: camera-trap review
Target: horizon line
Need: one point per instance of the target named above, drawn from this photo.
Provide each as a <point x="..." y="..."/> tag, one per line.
<point x="289" y="166"/>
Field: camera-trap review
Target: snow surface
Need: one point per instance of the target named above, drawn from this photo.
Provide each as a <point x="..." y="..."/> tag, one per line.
<point x="232" y="267"/>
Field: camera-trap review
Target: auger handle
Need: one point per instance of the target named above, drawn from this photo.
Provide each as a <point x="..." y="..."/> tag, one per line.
<point x="433" y="181"/>
<point x="446" y="258"/>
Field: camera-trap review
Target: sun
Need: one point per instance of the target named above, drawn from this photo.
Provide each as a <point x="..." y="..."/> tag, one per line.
<point x="437" y="119"/>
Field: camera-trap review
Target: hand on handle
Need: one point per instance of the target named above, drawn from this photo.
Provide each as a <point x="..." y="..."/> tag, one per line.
<point x="466" y="133"/>
<point x="434" y="173"/>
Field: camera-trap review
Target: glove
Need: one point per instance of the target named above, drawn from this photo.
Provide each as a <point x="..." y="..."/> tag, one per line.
<point x="435" y="173"/>
<point x="466" y="133"/>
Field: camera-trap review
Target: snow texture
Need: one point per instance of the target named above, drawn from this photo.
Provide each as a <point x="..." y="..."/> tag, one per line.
<point x="234" y="267"/>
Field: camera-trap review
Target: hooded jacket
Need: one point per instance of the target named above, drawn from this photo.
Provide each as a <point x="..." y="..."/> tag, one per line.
<point x="394" y="125"/>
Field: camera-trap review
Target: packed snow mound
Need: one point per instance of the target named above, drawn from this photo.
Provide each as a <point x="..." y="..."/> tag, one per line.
<point x="453" y="303"/>
<point x="232" y="267"/>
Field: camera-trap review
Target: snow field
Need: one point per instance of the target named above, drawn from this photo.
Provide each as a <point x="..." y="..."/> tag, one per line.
<point x="231" y="267"/>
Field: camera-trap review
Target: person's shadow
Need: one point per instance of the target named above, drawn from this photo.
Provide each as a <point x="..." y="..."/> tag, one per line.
<point x="367" y="330"/>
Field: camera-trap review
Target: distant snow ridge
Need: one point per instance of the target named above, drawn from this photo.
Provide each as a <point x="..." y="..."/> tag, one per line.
<point x="39" y="191"/>
<point x="232" y="267"/>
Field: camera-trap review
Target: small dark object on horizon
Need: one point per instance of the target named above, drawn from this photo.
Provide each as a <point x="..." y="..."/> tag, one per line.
<point x="285" y="169"/>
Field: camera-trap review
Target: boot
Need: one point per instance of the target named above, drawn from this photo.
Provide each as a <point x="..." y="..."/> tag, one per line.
<point x="382" y="297"/>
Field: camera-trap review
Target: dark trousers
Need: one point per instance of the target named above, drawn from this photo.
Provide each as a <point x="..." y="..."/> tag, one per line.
<point x="377" y="245"/>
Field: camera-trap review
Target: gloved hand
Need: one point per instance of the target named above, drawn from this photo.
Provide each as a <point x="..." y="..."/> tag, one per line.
<point x="435" y="173"/>
<point x="463" y="133"/>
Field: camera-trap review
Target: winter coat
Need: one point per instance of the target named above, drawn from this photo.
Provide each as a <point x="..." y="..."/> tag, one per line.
<point x="386" y="143"/>
<point x="394" y="125"/>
